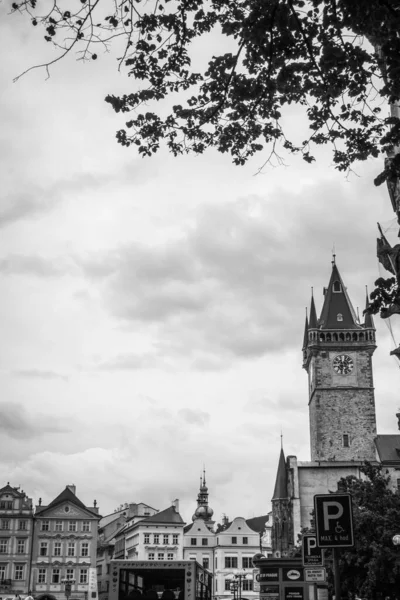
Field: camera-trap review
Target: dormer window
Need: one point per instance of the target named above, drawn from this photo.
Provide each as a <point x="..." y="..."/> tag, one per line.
<point x="337" y="288"/>
<point x="340" y="317"/>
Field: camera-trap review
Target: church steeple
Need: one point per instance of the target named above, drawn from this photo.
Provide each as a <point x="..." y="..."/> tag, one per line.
<point x="203" y="511"/>
<point x="282" y="529"/>
<point x="280" y="491"/>
<point x="313" y="314"/>
<point x="368" y="321"/>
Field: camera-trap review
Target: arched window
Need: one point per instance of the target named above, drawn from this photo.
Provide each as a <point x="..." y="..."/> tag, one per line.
<point x="340" y="317"/>
<point x="337" y="288"/>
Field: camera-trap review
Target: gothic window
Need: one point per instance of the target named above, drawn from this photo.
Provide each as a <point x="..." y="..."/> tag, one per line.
<point x="361" y="337"/>
<point x="337" y="288"/>
<point x="348" y="337"/>
<point x="334" y="337"/>
<point x="340" y="317"/>
<point x="355" y="337"/>
<point x="328" y="337"/>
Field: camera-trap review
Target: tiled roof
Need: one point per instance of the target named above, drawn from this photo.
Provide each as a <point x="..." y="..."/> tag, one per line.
<point x="258" y="523"/>
<point x="169" y="515"/>
<point x="388" y="447"/>
<point x="66" y="496"/>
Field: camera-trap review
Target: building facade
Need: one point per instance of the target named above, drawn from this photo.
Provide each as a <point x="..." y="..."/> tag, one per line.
<point x="16" y="523"/>
<point x="157" y="537"/>
<point x="109" y="526"/>
<point x="64" y="549"/>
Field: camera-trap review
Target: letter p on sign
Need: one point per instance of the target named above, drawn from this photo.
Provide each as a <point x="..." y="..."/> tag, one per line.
<point x="334" y="520"/>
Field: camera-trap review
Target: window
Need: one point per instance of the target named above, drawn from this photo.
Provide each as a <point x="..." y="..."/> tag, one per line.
<point x="247" y="585"/>
<point x="170" y="556"/>
<point x="57" y="548"/>
<point x="228" y="584"/>
<point x="193" y="541"/>
<point x="160" y="556"/>
<point x="107" y="569"/>
<point x="3" y="546"/>
<point x="147" y="538"/>
<point x="231" y="562"/>
<point x="22" y="525"/>
<point x="245" y="541"/>
<point x="43" y="550"/>
<point x="346" y="443"/>
<point x="85" y="549"/>
<point x="337" y="287"/>
<point x="45" y="525"/>
<point x="234" y="540"/>
<point x="156" y="538"/>
<point x="70" y="574"/>
<point x="71" y="549"/>
<point x="55" y="576"/>
<point x="71" y="525"/>
<point x="165" y="538"/>
<point x="398" y="485"/>
<point x="247" y="562"/>
<point x="83" y="576"/>
<point x="216" y="562"/>
<point x="6" y="505"/>
<point x="204" y="541"/>
<point x="21" y="547"/>
<point x="2" y="572"/>
<point x="151" y="555"/>
<point x="5" y="524"/>
<point x="192" y="557"/>
<point x="58" y="526"/>
<point x="99" y="570"/>
<point x="206" y="562"/>
<point x="19" y="572"/>
<point x="41" y="576"/>
<point x="340" y="317"/>
<point x="86" y="526"/>
<point x="175" y="538"/>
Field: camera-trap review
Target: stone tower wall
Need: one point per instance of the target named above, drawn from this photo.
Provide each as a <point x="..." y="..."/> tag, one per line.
<point x="342" y="405"/>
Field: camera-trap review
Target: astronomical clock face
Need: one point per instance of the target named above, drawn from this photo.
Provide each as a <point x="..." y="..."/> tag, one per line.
<point x="343" y="364"/>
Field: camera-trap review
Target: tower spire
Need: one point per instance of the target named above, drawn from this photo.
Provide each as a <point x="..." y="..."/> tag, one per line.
<point x="313" y="313"/>
<point x="337" y="311"/>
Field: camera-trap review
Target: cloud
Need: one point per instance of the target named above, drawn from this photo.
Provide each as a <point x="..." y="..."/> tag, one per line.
<point x="17" y="423"/>
<point x="233" y="285"/>
<point x="194" y="417"/>
<point x="39" y="374"/>
<point x="23" y="264"/>
<point x="23" y="206"/>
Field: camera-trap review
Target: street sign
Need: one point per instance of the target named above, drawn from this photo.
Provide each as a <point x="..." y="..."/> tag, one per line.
<point x="315" y="574"/>
<point x="256" y="583"/>
<point x="313" y="556"/>
<point x="334" y="520"/>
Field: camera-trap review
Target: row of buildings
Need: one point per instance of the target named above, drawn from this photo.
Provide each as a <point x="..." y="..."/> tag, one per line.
<point x="64" y="549"/>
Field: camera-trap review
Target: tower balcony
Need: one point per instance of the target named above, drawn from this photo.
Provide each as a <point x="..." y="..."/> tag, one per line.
<point x="358" y="337"/>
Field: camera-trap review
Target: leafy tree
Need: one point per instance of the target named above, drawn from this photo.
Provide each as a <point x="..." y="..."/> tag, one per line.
<point x="338" y="59"/>
<point x="372" y="568"/>
<point x="309" y="52"/>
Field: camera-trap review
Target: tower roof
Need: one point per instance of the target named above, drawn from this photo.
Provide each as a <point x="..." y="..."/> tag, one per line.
<point x="337" y="311"/>
<point x="305" y="339"/>
<point x="280" y="490"/>
<point x="313" y="315"/>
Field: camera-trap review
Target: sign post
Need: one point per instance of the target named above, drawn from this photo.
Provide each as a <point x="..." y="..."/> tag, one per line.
<point x="334" y="525"/>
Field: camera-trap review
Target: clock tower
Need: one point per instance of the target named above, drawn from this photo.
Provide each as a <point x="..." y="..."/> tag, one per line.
<point x="337" y="355"/>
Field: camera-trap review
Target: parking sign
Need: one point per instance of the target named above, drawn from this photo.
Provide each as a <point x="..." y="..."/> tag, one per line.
<point x="334" y="520"/>
<point x="313" y="555"/>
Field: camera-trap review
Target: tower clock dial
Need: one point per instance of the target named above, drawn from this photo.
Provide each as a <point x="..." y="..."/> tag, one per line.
<point x="343" y="364"/>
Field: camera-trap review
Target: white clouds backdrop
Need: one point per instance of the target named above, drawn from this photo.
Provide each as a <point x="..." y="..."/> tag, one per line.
<point x="152" y="310"/>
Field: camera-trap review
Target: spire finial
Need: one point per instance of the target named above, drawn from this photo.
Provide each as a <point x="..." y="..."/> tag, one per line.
<point x="312" y="292"/>
<point x="333" y="255"/>
<point x="204" y="475"/>
<point x="281" y="439"/>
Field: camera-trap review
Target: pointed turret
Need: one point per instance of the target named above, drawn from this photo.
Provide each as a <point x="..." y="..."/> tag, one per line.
<point x="203" y="511"/>
<point x="368" y="321"/>
<point x="313" y="315"/>
<point x="305" y="338"/>
<point x="280" y="491"/>
<point x="337" y="311"/>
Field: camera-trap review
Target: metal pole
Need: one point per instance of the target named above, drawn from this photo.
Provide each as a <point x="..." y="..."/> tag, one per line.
<point x="336" y="573"/>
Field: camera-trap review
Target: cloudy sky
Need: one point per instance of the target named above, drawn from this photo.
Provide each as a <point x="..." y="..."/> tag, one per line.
<point x="152" y="310"/>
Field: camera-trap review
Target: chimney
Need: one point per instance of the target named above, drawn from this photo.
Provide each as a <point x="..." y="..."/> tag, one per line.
<point x="175" y="504"/>
<point x="72" y="488"/>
